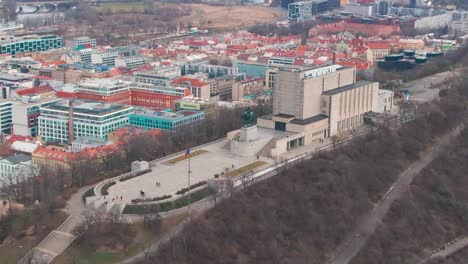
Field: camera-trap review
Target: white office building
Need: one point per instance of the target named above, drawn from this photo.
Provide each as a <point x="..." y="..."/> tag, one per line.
<point x="81" y="42"/>
<point x="90" y="119"/>
<point x="130" y="62"/>
<point x="106" y="58"/>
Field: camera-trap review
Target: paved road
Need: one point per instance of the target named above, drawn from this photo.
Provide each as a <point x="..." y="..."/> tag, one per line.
<point x="427" y="88"/>
<point x="448" y="249"/>
<point x="356" y="240"/>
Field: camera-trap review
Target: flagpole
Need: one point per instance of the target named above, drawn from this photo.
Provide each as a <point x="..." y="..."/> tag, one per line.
<point x="188" y="174"/>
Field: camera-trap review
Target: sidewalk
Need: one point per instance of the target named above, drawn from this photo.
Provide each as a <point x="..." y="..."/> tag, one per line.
<point x="58" y="240"/>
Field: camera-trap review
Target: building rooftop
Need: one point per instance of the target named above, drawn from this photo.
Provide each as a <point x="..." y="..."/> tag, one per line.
<point x="35" y="90"/>
<point x="189" y="81"/>
<point x="14" y="78"/>
<point x="309" y="120"/>
<point x="32" y="100"/>
<point x="86" y="107"/>
<point x="284" y="116"/>
<point x="23" y="146"/>
<point x="101" y="82"/>
<point x="52" y="154"/>
<point x="165" y="115"/>
<point x="17" y="159"/>
<point x="346" y="88"/>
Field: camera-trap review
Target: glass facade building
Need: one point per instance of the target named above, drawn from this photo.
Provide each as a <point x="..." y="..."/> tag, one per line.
<point x="30" y="45"/>
<point x="89" y="119"/>
<point x="166" y="120"/>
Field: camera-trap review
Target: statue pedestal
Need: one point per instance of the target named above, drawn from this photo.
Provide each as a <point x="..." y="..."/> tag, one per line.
<point x="248" y="133"/>
<point x="248" y="143"/>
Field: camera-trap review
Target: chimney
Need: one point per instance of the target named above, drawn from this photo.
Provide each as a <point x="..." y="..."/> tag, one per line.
<point x="71" y="135"/>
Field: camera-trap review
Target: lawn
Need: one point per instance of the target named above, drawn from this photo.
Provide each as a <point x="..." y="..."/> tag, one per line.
<point x="181" y="158"/>
<point x="245" y="169"/>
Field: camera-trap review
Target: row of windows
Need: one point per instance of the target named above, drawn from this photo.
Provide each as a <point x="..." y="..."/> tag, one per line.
<point x="350" y="122"/>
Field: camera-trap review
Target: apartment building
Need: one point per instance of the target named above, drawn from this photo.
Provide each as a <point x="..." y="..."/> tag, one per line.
<point x="15" y="169"/>
<point x="130" y="62"/>
<point x="160" y="76"/>
<point x="105" y="57"/>
<point x="81" y="42"/>
<point x="196" y="87"/>
<point x="104" y="90"/>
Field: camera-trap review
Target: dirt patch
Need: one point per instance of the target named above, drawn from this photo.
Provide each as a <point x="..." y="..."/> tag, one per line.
<point x="229" y="18"/>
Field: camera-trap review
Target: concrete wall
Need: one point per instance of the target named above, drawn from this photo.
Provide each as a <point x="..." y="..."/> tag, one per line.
<point x="248" y="149"/>
<point x="20" y="120"/>
<point x="266" y="123"/>
<point x="286" y="93"/>
<point x="312" y="132"/>
<point x="348" y="107"/>
<point x="385" y="101"/>
<point x="295" y="95"/>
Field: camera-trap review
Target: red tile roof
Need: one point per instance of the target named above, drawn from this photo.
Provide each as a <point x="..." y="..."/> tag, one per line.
<point x="52" y="154"/>
<point x="53" y="63"/>
<point x="378" y="45"/>
<point x="191" y="82"/>
<point x="35" y="90"/>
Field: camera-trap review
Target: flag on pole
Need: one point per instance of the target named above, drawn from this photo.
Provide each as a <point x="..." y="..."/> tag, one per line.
<point x="187" y="153"/>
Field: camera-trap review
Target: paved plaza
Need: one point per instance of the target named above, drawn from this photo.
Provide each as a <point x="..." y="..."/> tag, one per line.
<point x="174" y="177"/>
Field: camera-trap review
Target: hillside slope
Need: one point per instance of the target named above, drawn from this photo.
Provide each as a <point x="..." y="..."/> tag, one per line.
<point x="302" y="214"/>
<point x="433" y="212"/>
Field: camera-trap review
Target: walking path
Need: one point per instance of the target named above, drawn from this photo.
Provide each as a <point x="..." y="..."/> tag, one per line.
<point x="357" y="239"/>
<point x="59" y="239"/>
<point x="448" y="249"/>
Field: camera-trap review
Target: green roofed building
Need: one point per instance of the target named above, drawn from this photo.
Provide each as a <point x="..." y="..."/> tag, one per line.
<point x="26" y="44"/>
<point x="146" y="118"/>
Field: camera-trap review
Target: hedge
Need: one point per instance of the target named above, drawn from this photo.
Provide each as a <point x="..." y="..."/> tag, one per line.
<point x="88" y="193"/>
<point x="168" y="206"/>
<point x="193" y="186"/>
<point x="106" y="187"/>
<point x="126" y="178"/>
<point x="154" y="199"/>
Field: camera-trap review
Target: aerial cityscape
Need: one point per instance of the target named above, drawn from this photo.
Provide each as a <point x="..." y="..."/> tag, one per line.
<point x="240" y="131"/>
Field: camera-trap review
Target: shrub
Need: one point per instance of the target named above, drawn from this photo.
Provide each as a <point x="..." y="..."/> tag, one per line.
<point x="154" y="199"/>
<point x="88" y="193"/>
<point x="193" y="186"/>
<point x="126" y="178"/>
<point x="168" y="206"/>
<point x="106" y="187"/>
